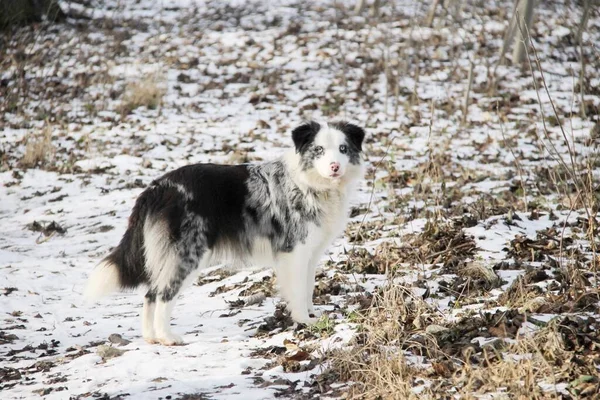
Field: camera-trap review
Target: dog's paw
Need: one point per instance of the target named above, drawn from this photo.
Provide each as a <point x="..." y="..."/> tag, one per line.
<point x="170" y="339"/>
<point x="151" y="339"/>
<point x="149" y="336"/>
<point x="304" y="319"/>
<point x="314" y="313"/>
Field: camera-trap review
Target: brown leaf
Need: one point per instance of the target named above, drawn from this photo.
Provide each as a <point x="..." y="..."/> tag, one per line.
<point x="503" y="331"/>
<point x="443" y="369"/>
<point x="299" y="355"/>
<point x="289" y="345"/>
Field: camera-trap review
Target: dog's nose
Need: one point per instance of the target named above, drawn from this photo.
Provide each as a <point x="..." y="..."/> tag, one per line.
<point x="335" y="166"/>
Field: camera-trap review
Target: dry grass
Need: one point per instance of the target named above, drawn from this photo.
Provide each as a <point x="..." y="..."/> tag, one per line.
<point x="375" y="363"/>
<point x="399" y="326"/>
<point x="517" y="373"/>
<point x="147" y="92"/>
<point x="39" y="150"/>
<point x="478" y="270"/>
<point x="440" y="242"/>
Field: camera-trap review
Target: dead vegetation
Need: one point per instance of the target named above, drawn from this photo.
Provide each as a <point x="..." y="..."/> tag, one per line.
<point x="507" y="353"/>
<point x="506" y="347"/>
<point x="39" y="150"/>
<point x="443" y="242"/>
<point x="147" y="92"/>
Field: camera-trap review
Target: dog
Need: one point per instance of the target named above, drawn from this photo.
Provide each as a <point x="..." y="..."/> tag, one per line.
<point x="282" y="214"/>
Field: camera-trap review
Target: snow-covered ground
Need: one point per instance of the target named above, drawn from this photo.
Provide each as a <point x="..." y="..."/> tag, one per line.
<point x="233" y="78"/>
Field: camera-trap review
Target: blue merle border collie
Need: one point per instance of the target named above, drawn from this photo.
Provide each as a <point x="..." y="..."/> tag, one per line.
<point x="281" y="214"/>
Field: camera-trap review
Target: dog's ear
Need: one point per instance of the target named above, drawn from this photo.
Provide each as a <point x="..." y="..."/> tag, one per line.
<point x="355" y="134"/>
<point x="304" y="135"/>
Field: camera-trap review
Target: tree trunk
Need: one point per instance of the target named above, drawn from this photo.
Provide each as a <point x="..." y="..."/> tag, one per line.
<point x="23" y="12"/>
<point x="524" y="19"/>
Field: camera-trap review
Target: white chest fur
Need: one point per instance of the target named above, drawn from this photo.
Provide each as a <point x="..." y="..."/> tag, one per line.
<point x="334" y="211"/>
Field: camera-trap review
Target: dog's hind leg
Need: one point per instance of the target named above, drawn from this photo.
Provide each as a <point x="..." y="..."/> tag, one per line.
<point x="167" y="296"/>
<point x="162" y="316"/>
<point x="148" y="317"/>
<point x="162" y="323"/>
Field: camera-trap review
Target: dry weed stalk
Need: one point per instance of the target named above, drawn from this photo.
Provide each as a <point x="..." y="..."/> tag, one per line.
<point x="582" y="26"/>
<point x="39" y="149"/>
<point x="431" y="13"/>
<point x="468" y="93"/>
<point x="517" y="162"/>
<point x="376" y="363"/>
<point x="584" y="188"/>
<point x="146" y="92"/>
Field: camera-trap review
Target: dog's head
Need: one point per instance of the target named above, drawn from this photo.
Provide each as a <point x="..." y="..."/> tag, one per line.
<point x="329" y="152"/>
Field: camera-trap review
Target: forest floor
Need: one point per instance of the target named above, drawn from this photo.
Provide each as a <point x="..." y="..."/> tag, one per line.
<point x="469" y="268"/>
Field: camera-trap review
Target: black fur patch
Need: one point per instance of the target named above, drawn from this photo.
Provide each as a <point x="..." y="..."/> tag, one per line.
<point x="354" y="138"/>
<point x="217" y="196"/>
<point x="304" y="135"/>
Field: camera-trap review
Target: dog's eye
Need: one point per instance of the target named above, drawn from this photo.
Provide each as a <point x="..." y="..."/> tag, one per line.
<point x="319" y="150"/>
<point x="343" y="149"/>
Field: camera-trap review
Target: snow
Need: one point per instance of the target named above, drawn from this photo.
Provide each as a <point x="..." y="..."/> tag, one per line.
<point x="213" y="65"/>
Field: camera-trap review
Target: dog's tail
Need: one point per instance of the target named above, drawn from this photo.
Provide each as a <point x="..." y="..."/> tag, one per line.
<point x="103" y="280"/>
<point x="124" y="267"/>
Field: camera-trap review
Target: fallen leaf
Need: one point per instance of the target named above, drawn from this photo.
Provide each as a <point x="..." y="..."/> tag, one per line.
<point x="108" y="352"/>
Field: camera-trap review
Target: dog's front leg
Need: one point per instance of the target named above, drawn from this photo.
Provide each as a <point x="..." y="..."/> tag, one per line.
<point x="310" y="284"/>
<point x="293" y="269"/>
<point x="311" y="272"/>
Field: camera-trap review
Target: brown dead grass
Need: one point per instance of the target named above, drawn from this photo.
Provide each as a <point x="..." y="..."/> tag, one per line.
<point x="399" y="325"/>
<point x="549" y="356"/>
<point x="440" y="242"/>
<point x="146" y="92"/>
<point x="375" y="363"/>
<point x="39" y="150"/>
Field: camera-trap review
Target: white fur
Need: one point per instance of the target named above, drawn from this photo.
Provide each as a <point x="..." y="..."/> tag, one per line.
<point x="296" y="271"/>
<point x="330" y="139"/>
<point x="161" y="257"/>
<point x="148" y="321"/>
<point x="162" y="324"/>
<point x="161" y="263"/>
<point x="103" y="280"/>
<point x="156" y="317"/>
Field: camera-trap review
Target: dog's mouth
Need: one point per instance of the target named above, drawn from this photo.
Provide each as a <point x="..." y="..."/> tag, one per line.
<point x="335" y="175"/>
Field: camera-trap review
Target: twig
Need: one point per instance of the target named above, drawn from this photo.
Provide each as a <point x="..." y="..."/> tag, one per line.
<point x="447" y="250"/>
<point x="360" y="6"/>
<point x="468" y="93"/>
<point x="508" y="36"/>
<point x="517" y="163"/>
<point x="343" y="60"/>
<point x="431" y="13"/>
<point x="376" y="166"/>
<point x="582" y="27"/>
